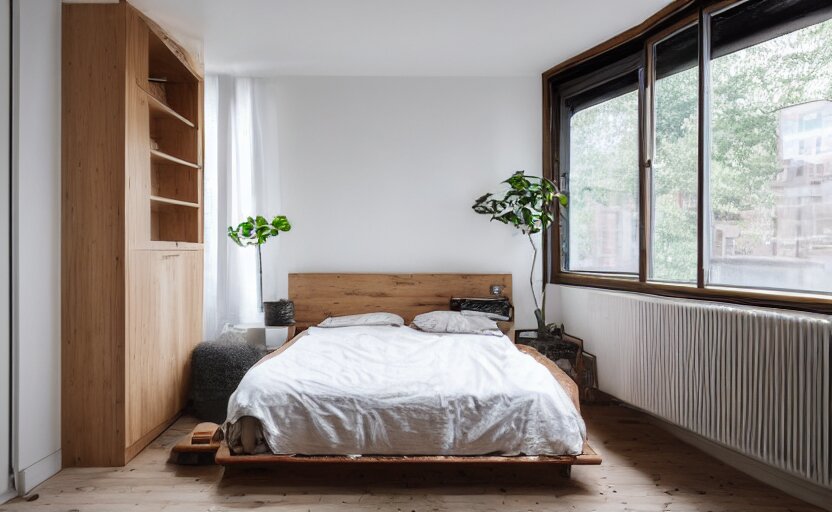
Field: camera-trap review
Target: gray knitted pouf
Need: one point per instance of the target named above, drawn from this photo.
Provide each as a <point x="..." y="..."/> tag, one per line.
<point x="217" y="367"/>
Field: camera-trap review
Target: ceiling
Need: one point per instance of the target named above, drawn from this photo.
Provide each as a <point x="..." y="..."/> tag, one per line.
<point x="394" y="37"/>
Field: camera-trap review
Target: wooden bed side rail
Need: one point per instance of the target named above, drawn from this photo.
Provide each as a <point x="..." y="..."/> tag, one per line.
<point x="588" y="457"/>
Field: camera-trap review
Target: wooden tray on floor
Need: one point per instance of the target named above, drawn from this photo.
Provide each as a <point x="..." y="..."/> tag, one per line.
<point x="204" y="438"/>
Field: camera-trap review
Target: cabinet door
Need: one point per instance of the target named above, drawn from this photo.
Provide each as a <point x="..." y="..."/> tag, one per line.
<point x="164" y="323"/>
<point x="188" y="304"/>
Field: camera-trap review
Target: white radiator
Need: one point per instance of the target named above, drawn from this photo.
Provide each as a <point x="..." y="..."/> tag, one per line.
<point x="752" y="379"/>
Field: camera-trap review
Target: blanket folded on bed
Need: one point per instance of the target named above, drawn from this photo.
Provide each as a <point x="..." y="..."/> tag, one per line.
<point x="395" y="390"/>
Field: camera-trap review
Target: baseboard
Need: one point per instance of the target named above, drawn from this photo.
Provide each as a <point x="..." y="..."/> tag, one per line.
<point x="8" y="495"/>
<point x="799" y="488"/>
<point x="29" y="478"/>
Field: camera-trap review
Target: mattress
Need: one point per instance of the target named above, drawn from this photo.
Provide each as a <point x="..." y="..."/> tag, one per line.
<point x="399" y="391"/>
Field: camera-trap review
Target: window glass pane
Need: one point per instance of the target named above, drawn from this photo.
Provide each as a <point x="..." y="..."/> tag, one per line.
<point x="771" y="161"/>
<point x="603" y="187"/>
<point x="675" y="153"/>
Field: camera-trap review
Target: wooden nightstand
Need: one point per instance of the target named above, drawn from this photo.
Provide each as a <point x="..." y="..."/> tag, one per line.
<point x="507" y="328"/>
<point x="566" y="351"/>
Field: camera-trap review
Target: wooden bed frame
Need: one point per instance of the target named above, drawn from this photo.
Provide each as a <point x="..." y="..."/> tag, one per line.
<point x="318" y="296"/>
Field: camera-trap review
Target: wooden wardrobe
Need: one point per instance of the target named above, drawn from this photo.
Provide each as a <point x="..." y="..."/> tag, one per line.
<point x="132" y="256"/>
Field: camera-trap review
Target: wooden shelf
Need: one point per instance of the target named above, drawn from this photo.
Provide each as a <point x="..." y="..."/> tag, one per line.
<point x="158" y="108"/>
<point x="173" y="202"/>
<point x="155" y="154"/>
<point x="174" y="182"/>
<point x="174" y="221"/>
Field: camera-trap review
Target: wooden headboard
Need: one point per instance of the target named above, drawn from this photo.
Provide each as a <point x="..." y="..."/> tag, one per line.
<point x="318" y="296"/>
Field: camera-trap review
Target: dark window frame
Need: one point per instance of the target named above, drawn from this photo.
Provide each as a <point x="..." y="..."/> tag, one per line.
<point x="641" y="39"/>
<point x="596" y="86"/>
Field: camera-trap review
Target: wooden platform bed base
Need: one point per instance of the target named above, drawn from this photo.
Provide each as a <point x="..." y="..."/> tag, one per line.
<point x="588" y="456"/>
<point x="205" y="440"/>
<point x="226" y="458"/>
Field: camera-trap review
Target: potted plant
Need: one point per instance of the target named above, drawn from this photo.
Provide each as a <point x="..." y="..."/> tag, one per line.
<point x="257" y="231"/>
<point x="530" y="205"/>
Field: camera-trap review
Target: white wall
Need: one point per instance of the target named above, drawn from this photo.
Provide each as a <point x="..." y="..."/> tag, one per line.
<point x="379" y="175"/>
<point x="36" y="239"/>
<point x="5" y="249"/>
<point x="572" y="306"/>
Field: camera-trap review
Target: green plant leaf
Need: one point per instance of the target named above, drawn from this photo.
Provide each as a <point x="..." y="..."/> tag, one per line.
<point x="257" y="230"/>
<point x="480" y="200"/>
<point x="527" y="204"/>
<point x="281" y="223"/>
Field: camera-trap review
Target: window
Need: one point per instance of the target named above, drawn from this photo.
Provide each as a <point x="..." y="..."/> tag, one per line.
<point x="703" y="163"/>
<point x="757" y="90"/>
<point x="603" y="153"/>
<point x="675" y="156"/>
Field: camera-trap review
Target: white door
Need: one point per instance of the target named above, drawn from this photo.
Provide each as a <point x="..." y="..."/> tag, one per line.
<point x="5" y="248"/>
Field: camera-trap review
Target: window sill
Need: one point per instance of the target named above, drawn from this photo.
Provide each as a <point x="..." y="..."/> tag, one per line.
<point x="763" y="298"/>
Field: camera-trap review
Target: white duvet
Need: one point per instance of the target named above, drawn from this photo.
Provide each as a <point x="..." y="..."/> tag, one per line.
<point x="395" y="390"/>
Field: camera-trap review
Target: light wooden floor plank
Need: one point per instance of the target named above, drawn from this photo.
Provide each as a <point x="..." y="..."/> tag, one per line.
<point x="645" y="469"/>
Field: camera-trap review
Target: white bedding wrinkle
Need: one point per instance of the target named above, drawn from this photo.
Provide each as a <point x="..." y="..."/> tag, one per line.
<point x="379" y="318"/>
<point x="395" y="390"/>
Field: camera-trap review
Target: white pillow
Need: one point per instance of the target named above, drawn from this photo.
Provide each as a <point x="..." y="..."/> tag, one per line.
<point x="455" y="322"/>
<point x="366" y="319"/>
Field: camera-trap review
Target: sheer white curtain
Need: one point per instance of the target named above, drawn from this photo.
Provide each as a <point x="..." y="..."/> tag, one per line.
<point x="233" y="190"/>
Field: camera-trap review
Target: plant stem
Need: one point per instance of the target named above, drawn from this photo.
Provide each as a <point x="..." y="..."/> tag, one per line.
<point x="531" y="274"/>
<point x="260" y="269"/>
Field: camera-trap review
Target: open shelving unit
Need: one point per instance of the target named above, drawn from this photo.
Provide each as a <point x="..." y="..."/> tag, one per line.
<point x="172" y="92"/>
<point x="131" y="230"/>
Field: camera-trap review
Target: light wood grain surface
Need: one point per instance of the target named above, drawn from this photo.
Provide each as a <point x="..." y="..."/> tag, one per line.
<point x="318" y="296"/>
<point x="161" y="334"/>
<point x="93" y="233"/>
<point x="645" y="469"/>
<point x="131" y="293"/>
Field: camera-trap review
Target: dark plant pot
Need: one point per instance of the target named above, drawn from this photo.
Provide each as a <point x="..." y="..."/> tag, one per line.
<point x="544" y="331"/>
<point x="281" y="312"/>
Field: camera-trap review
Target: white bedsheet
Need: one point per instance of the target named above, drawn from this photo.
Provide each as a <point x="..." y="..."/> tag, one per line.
<point x="395" y="390"/>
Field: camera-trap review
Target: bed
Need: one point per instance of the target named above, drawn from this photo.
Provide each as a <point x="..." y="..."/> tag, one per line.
<point x="501" y="424"/>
